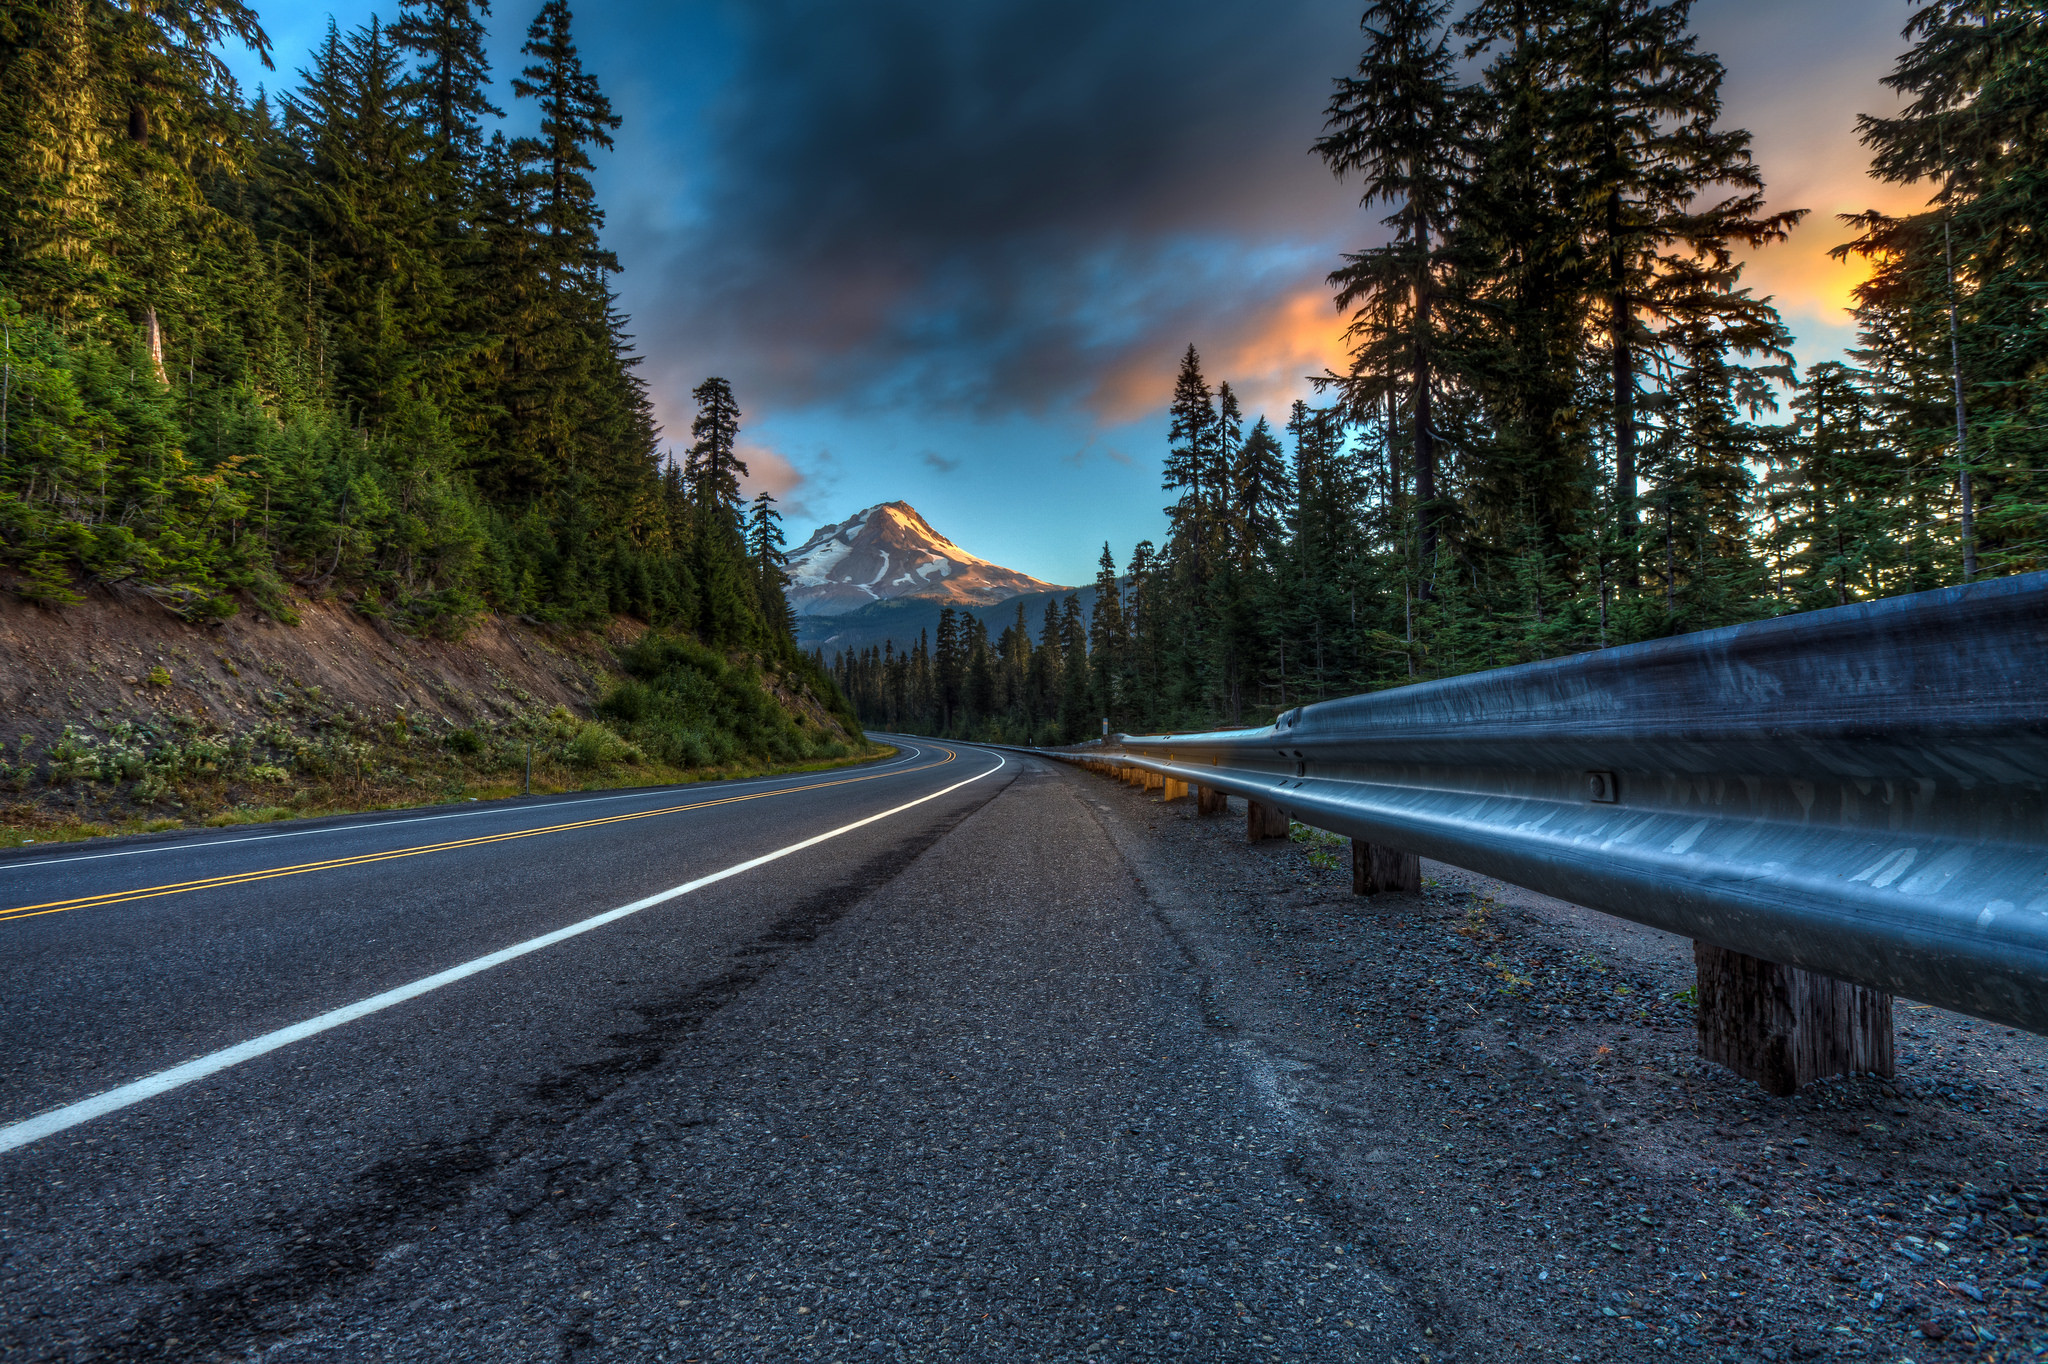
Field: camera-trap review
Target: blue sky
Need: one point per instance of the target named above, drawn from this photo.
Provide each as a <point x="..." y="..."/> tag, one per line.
<point x="951" y="253"/>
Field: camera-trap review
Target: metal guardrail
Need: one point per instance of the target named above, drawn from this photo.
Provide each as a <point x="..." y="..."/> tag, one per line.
<point x="1861" y="792"/>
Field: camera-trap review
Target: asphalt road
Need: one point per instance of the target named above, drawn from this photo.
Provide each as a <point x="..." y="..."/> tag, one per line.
<point x="894" y="1062"/>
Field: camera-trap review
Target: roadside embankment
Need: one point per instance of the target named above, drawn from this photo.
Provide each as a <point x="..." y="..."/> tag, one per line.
<point x="117" y="716"/>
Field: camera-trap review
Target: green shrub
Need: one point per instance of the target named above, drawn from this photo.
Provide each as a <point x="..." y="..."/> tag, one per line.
<point x="594" y="745"/>
<point x="689" y="706"/>
<point x="627" y="701"/>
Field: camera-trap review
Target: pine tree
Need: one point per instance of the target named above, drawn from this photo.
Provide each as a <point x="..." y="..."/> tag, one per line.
<point x="1844" y="489"/>
<point x="1636" y="123"/>
<point x="1259" y="490"/>
<point x="715" y="469"/>
<point x="1956" y="291"/>
<point x="112" y="118"/>
<point x="949" y="667"/>
<point x="1216" y="481"/>
<point x="764" y="550"/>
<point x="1193" y="438"/>
<point x="367" y="214"/>
<point x="562" y="364"/>
<point x="575" y="116"/>
<point x="1399" y="125"/>
<point x="1522" y="266"/>
<point x="1106" y="635"/>
<point x="448" y="38"/>
<point x="1076" y="712"/>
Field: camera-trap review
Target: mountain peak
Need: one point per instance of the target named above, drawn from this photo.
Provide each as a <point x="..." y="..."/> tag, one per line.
<point x="889" y="550"/>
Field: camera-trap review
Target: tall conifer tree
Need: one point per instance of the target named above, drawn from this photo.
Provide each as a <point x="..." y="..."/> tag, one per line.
<point x="1399" y="125"/>
<point x="715" y="469"/>
<point x="447" y="36"/>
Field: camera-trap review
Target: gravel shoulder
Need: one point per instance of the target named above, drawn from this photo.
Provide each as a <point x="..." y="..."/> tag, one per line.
<point x="1500" y="1092"/>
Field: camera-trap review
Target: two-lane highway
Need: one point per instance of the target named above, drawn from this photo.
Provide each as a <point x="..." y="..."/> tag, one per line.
<point x="888" y="1061"/>
<point x="171" y="959"/>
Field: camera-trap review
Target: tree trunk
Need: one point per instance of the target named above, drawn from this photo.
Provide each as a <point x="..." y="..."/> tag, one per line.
<point x="1425" y="442"/>
<point x="1624" y="409"/>
<point x="154" y="335"/>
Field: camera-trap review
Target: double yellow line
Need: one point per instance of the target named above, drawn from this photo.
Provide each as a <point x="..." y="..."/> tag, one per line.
<point x="116" y="897"/>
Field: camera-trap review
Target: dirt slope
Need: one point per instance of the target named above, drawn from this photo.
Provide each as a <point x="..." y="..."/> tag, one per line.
<point x="115" y="715"/>
<point x="116" y="657"/>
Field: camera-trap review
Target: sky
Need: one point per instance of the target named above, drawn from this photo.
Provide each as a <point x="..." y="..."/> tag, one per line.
<point x="951" y="253"/>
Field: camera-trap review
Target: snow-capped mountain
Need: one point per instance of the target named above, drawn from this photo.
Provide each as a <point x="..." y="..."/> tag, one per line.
<point x="890" y="551"/>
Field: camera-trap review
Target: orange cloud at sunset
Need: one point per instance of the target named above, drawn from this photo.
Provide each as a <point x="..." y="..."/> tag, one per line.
<point x="1812" y="291"/>
<point x="1269" y="368"/>
<point x="1267" y="359"/>
<point x="768" y="471"/>
<point x="1799" y="99"/>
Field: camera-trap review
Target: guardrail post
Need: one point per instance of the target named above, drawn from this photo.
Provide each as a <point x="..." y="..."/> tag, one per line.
<point x="1210" y="801"/>
<point x="1263" y="821"/>
<point x="1376" y="868"/>
<point x="1785" y="1028"/>
<point x="1174" y="790"/>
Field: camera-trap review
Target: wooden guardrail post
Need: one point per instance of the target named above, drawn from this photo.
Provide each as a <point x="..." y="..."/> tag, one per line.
<point x="1210" y="801"/>
<point x="1174" y="790"/>
<point x="1264" y="821"/>
<point x="1785" y="1028"/>
<point x="1376" y="868"/>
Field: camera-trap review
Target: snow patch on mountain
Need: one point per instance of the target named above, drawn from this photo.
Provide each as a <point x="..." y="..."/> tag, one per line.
<point x="848" y="564"/>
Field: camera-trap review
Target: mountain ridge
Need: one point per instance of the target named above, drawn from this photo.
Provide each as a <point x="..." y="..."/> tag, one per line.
<point x="901" y="620"/>
<point x="889" y="552"/>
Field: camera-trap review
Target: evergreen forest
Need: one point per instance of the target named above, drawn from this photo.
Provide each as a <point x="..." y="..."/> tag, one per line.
<point x="1567" y="424"/>
<point x="341" y="342"/>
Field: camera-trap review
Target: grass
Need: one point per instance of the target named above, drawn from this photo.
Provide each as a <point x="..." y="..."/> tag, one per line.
<point x="1322" y="845"/>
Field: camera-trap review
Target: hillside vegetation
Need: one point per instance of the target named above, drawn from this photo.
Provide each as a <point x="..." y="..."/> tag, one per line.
<point x="127" y="718"/>
<point x="337" y="371"/>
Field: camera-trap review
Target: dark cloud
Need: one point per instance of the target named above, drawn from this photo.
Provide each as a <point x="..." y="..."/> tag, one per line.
<point x="988" y="206"/>
<point x="940" y="462"/>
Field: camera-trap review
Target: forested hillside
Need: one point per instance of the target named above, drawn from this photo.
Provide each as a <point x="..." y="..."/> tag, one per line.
<point x="1567" y="423"/>
<point x="341" y="356"/>
<point x="339" y="340"/>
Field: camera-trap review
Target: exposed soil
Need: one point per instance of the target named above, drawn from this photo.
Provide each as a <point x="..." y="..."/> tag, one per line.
<point x="1501" y="1093"/>
<point x="95" y="661"/>
<point x="252" y="719"/>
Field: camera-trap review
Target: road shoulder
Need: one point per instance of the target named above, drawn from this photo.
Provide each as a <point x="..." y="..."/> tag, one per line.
<point x="1499" y="1093"/>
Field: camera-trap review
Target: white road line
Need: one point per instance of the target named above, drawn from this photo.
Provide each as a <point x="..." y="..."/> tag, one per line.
<point x="492" y="809"/>
<point x="148" y="1087"/>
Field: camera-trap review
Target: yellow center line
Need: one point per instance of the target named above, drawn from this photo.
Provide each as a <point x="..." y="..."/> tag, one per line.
<point x="116" y="897"/>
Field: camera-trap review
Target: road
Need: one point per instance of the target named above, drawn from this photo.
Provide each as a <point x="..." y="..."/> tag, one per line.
<point x="891" y="1062"/>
